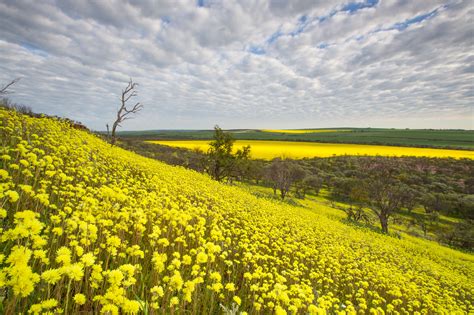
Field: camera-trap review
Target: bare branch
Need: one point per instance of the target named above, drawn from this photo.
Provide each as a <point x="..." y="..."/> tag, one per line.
<point x="136" y="108"/>
<point x="133" y="94"/>
<point x="4" y="89"/>
<point x="123" y="112"/>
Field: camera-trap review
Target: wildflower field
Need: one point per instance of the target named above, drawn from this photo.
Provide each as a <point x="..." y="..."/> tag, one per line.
<point x="261" y="149"/>
<point x="90" y="228"/>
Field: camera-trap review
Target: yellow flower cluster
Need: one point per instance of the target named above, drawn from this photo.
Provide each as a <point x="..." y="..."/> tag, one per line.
<point x="91" y="228"/>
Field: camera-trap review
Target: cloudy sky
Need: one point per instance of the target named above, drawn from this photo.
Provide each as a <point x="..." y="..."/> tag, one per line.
<point x="246" y="63"/>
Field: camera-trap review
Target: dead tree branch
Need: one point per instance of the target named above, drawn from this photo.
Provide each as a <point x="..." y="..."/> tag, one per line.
<point x="124" y="113"/>
<point x="4" y="89"/>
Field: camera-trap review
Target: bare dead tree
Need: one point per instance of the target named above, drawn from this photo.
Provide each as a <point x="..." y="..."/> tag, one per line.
<point x="4" y="89"/>
<point x="123" y="112"/>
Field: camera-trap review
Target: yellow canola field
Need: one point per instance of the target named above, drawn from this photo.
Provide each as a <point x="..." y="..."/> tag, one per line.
<point x="88" y="228"/>
<point x="300" y="131"/>
<point x="261" y="149"/>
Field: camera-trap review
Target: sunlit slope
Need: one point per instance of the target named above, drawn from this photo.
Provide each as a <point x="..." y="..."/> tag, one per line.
<point x="92" y="228"/>
<point x="298" y="150"/>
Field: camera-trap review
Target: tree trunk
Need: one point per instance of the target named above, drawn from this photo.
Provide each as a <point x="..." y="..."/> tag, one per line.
<point x="114" y="127"/>
<point x="384" y="223"/>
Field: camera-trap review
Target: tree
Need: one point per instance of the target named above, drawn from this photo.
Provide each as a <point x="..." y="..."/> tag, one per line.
<point x="309" y="183"/>
<point x="298" y="175"/>
<point x="384" y="192"/>
<point x="461" y="235"/>
<point x="4" y="89"/>
<point x="123" y="112"/>
<point x="256" y="171"/>
<point x="356" y="214"/>
<point x="426" y="221"/>
<point x="222" y="162"/>
<point x="283" y="174"/>
<point x="410" y="198"/>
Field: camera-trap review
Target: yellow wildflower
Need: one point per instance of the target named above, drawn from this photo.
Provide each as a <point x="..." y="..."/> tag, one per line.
<point x="80" y="299"/>
<point x="237" y="300"/>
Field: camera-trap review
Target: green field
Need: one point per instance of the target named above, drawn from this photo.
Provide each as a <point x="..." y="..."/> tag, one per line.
<point x="455" y="139"/>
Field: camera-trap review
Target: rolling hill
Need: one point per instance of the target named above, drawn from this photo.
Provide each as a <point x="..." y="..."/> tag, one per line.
<point x="88" y="227"/>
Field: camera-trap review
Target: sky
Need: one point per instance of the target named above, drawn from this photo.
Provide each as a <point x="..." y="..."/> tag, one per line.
<point x="244" y="64"/>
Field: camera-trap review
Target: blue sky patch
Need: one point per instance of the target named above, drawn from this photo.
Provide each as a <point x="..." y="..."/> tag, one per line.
<point x="256" y="50"/>
<point x="417" y="19"/>
<point x="322" y="45"/>
<point x="274" y="37"/>
<point x="355" y="6"/>
<point x="32" y="48"/>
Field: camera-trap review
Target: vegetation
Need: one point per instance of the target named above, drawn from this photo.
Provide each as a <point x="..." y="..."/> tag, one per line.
<point x="298" y="150"/>
<point x="423" y="138"/>
<point x="88" y="228"/>
<point x="7" y="104"/>
<point x="222" y="162"/>
<point x="425" y="195"/>
<point x="283" y="174"/>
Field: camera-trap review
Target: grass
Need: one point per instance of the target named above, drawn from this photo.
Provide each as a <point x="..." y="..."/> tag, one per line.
<point x="297" y="150"/>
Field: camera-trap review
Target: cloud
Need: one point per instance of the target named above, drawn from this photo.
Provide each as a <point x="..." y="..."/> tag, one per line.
<point x="247" y="63"/>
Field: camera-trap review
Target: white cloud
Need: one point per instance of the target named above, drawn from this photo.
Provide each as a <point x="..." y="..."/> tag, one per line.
<point x="315" y="63"/>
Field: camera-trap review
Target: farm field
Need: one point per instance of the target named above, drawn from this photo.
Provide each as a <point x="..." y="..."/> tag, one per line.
<point x="303" y="131"/>
<point x="297" y="150"/>
<point x="89" y="228"/>
<point x="454" y="139"/>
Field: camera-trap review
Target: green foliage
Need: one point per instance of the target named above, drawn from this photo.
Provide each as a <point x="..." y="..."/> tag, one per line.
<point x="462" y="235"/>
<point x="222" y="161"/>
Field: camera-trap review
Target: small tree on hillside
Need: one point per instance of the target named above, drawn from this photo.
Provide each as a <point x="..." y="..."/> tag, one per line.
<point x="124" y="112"/>
<point x="222" y="162"/>
<point x="384" y="192"/>
<point x="313" y="183"/>
<point x="299" y="176"/>
<point x="282" y="174"/>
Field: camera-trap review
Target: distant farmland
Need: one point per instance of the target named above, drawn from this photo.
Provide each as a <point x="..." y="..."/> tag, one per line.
<point x="297" y="150"/>
<point x="302" y="131"/>
<point x="452" y="139"/>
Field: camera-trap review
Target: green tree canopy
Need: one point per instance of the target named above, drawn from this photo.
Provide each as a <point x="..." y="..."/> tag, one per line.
<point x="222" y="160"/>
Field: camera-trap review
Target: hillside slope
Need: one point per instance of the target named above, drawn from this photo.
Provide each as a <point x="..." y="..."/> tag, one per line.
<point x="88" y="227"/>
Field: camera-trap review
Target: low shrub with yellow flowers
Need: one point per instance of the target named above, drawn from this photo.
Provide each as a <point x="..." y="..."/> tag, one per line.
<point x="91" y="228"/>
